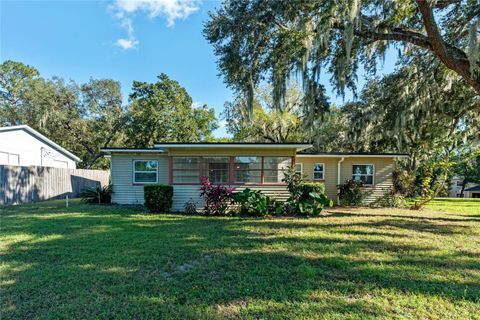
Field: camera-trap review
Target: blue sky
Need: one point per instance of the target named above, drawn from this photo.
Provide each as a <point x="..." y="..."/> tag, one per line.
<point x="123" y="40"/>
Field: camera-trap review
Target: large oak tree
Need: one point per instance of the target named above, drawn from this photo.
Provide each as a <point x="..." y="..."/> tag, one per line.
<point x="270" y="40"/>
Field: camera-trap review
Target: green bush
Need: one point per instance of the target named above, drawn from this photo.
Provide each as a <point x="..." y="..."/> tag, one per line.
<point x="254" y="203"/>
<point x="158" y="197"/>
<point x="97" y="194"/>
<point x="190" y="207"/>
<point x="351" y="193"/>
<point x="307" y="187"/>
<point x="391" y="199"/>
<point x="306" y="198"/>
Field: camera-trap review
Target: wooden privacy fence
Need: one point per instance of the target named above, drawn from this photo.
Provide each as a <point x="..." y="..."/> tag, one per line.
<point x="30" y="184"/>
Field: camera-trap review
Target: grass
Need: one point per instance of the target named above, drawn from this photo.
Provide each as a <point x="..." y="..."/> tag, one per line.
<point x="111" y="262"/>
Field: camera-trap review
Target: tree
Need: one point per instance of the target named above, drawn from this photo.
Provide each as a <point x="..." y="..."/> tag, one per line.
<point x="266" y="123"/>
<point x="206" y="122"/>
<point x="15" y="80"/>
<point x="162" y="111"/>
<point x="391" y="116"/>
<point x="80" y="118"/>
<point x="256" y="39"/>
<point x="101" y="119"/>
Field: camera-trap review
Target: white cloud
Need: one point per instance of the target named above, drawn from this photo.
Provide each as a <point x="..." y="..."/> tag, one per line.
<point x="170" y="10"/>
<point x="127" y="43"/>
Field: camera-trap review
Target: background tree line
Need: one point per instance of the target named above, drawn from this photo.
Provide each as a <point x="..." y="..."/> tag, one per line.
<point x="84" y="118"/>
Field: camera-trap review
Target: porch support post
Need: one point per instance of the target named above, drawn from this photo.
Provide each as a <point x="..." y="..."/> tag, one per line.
<point x="231" y="171"/>
<point x="170" y="170"/>
<point x="261" y="172"/>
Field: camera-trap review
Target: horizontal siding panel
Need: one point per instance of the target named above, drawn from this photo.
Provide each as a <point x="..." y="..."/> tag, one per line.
<point x="124" y="192"/>
<point x="127" y="193"/>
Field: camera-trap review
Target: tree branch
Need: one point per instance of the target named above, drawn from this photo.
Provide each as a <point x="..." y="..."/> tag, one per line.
<point x="454" y="58"/>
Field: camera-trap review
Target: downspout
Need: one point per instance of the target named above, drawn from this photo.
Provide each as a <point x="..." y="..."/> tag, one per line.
<point x="339" y="166"/>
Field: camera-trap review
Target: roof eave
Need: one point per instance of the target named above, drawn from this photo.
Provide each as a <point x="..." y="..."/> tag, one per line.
<point x="339" y="155"/>
<point x="128" y="150"/>
<point x="296" y="146"/>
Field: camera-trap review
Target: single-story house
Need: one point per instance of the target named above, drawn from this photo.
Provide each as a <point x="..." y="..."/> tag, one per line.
<point x="24" y="146"/>
<point x="255" y="165"/>
<point x="472" y="192"/>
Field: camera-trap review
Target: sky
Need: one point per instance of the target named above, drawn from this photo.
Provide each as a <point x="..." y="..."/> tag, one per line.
<point x="124" y="40"/>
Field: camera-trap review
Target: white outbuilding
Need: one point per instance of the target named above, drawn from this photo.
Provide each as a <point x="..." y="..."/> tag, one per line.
<point x="24" y="146"/>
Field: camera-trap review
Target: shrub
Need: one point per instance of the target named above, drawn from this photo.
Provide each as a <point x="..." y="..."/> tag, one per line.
<point x="351" y="193"/>
<point x="254" y="203"/>
<point x="158" y="197"/>
<point x="97" y="194"/>
<point x="306" y="198"/>
<point x="390" y="199"/>
<point x="190" y="206"/>
<point x="307" y="187"/>
<point x="403" y="183"/>
<point x="217" y="197"/>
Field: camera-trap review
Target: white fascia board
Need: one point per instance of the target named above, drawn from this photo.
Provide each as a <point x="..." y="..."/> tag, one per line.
<point x="349" y="156"/>
<point x="110" y="151"/>
<point x="298" y="147"/>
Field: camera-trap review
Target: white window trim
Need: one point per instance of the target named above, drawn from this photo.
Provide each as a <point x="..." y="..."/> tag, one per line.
<point x="323" y="171"/>
<point x="373" y="173"/>
<point x="301" y="167"/>
<point x="135" y="171"/>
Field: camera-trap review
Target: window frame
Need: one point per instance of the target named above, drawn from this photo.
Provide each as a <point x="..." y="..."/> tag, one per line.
<point x="301" y="168"/>
<point x="373" y="173"/>
<point x="204" y="171"/>
<point x="134" y="171"/>
<point x="231" y="170"/>
<point x="261" y="170"/>
<point x="199" y="170"/>
<point x="323" y="171"/>
<point x="274" y="170"/>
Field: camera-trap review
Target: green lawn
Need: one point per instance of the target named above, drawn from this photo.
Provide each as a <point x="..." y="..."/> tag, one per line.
<point x="113" y="263"/>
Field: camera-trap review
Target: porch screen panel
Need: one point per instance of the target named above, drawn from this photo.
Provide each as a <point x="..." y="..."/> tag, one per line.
<point x="217" y="169"/>
<point x="186" y="169"/>
<point x="274" y="168"/>
<point x="247" y="169"/>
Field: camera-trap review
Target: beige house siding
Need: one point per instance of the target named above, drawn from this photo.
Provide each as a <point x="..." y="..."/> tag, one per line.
<point x="124" y="190"/>
<point x="330" y="172"/>
<point x="382" y="181"/>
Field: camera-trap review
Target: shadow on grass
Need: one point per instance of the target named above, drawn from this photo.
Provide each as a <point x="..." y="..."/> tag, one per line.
<point x="107" y="262"/>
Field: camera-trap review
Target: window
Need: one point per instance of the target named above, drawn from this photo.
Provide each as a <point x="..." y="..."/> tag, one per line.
<point x="363" y="172"/>
<point x="274" y="168"/>
<point x="459" y="183"/>
<point x="247" y="170"/>
<point x="299" y="169"/>
<point x="217" y="169"/>
<point x="318" y="171"/>
<point x="145" y="171"/>
<point x="186" y="169"/>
